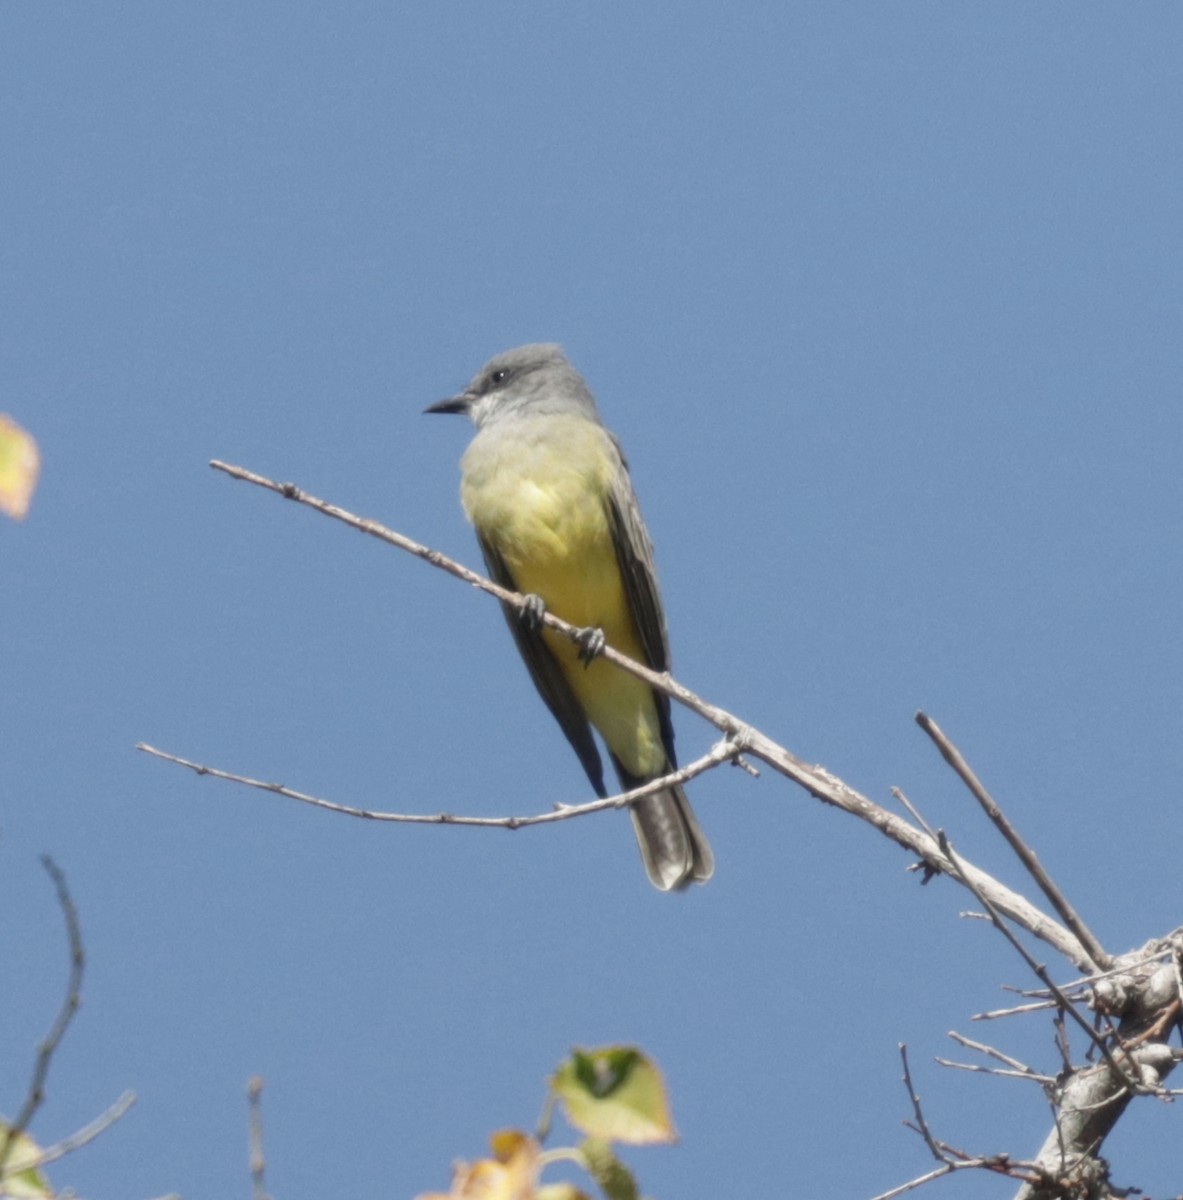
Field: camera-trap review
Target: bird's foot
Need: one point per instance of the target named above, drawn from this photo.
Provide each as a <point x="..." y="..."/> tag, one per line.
<point x="531" y="613"/>
<point x="591" y="643"/>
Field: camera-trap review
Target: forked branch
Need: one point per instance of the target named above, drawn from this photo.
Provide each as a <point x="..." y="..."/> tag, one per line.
<point x="1101" y="959"/>
<point x="1142" y="992"/>
<point x="14" y="1162"/>
<point x="35" y="1095"/>
<point x="816" y="780"/>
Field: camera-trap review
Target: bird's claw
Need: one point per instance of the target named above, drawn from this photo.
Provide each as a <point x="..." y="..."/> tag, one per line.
<point x="591" y="643"/>
<point x="531" y="613"/>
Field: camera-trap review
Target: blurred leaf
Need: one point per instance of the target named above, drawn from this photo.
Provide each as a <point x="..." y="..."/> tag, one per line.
<point x="19" y="465"/>
<point x="614" y="1178"/>
<point x="510" y="1175"/>
<point x="614" y="1093"/>
<point x="560" y="1191"/>
<point x="17" y="1178"/>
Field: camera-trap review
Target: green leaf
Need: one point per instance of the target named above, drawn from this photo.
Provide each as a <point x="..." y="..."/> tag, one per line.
<point x="614" y="1093"/>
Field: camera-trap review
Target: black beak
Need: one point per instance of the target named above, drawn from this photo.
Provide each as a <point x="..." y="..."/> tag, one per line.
<point x="453" y="404"/>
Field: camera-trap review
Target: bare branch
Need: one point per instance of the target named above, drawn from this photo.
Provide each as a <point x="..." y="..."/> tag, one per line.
<point x="254" y="1095"/>
<point x="919" y="1181"/>
<point x="991" y="1052"/>
<point x="898" y="793"/>
<point x="719" y="753"/>
<point x="950" y="1158"/>
<point x="1063" y="1047"/>
<point x="35" y="1096"/>
<point x="1090" y="1098"/>
<point x="85" y="1135"/>
<point x="921" y="1125"/>
<point x="1002" y="1072"/>
<point x="1100" y="957"/>
<point x="1074" y="986"/>
<point x="1018" y="1009"/>
<point x="816" y="780"/>
<point x="1087" y="1107"/>
<point x="1063" y="1002"/>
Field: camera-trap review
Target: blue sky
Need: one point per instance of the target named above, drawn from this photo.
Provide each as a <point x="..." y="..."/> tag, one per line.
<point x="883" y="301"/>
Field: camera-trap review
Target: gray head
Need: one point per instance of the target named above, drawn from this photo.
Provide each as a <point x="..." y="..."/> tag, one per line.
<point x="531" y="380"/>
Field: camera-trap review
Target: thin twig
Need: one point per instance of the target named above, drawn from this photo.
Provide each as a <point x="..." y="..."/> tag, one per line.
<point x="1001" y="1072"/>
<point x="1064" y="1003"/>
<point x="1042" y="998"/>
<point x="817" y="781"/>
<point x="1063" y="1042"/>
<point x="1176" y="953"/>
<point x="990" y="1052"/>
<point x="719" y="753"/>
<point x="1100" y="957"/>
<point x="656" y="679"/>
<point x="994" y="1014"/>
<point x="921" y="1125"/>
<point x="35" y="1096"/>
<point x="950" y="1158"/>
<point x="746" y="767"/>
<point x="86" y="1134"/>
<point x="898" y="793"/>
<point x="258" y="1161"/>
<point x="919" y="1181"/>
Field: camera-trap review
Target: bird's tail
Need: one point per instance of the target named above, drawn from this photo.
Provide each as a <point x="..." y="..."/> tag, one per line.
<point x="673" y="847"/>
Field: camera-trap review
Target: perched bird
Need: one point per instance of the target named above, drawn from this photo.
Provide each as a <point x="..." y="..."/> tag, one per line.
<point x="547" y="489"/>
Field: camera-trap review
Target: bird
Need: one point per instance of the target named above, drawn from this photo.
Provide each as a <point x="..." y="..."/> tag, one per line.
<point x="547" y="489"/>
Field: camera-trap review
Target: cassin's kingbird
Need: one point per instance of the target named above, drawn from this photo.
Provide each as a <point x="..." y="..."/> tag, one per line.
<point x="547" y="489"/>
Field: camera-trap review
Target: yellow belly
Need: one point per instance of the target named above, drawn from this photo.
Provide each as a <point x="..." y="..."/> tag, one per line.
<point x="541" y="501"/>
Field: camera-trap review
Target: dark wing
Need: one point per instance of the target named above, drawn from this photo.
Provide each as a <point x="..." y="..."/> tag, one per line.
<point x="634" y="554"/>
<point x="548" y="675"/>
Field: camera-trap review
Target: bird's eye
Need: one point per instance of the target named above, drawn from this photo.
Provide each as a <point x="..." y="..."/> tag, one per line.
<point x="499" y="377"/>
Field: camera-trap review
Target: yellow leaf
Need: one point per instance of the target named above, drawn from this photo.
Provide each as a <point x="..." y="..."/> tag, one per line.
<point x="19" y="466"/>
<point x="510" y="1175"/>
<point x="614" y="1093"/>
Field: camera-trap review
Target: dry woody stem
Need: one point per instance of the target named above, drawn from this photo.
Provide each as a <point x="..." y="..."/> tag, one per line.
<point x="35" y="1093"/>
<point x="1138" y="997"/>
